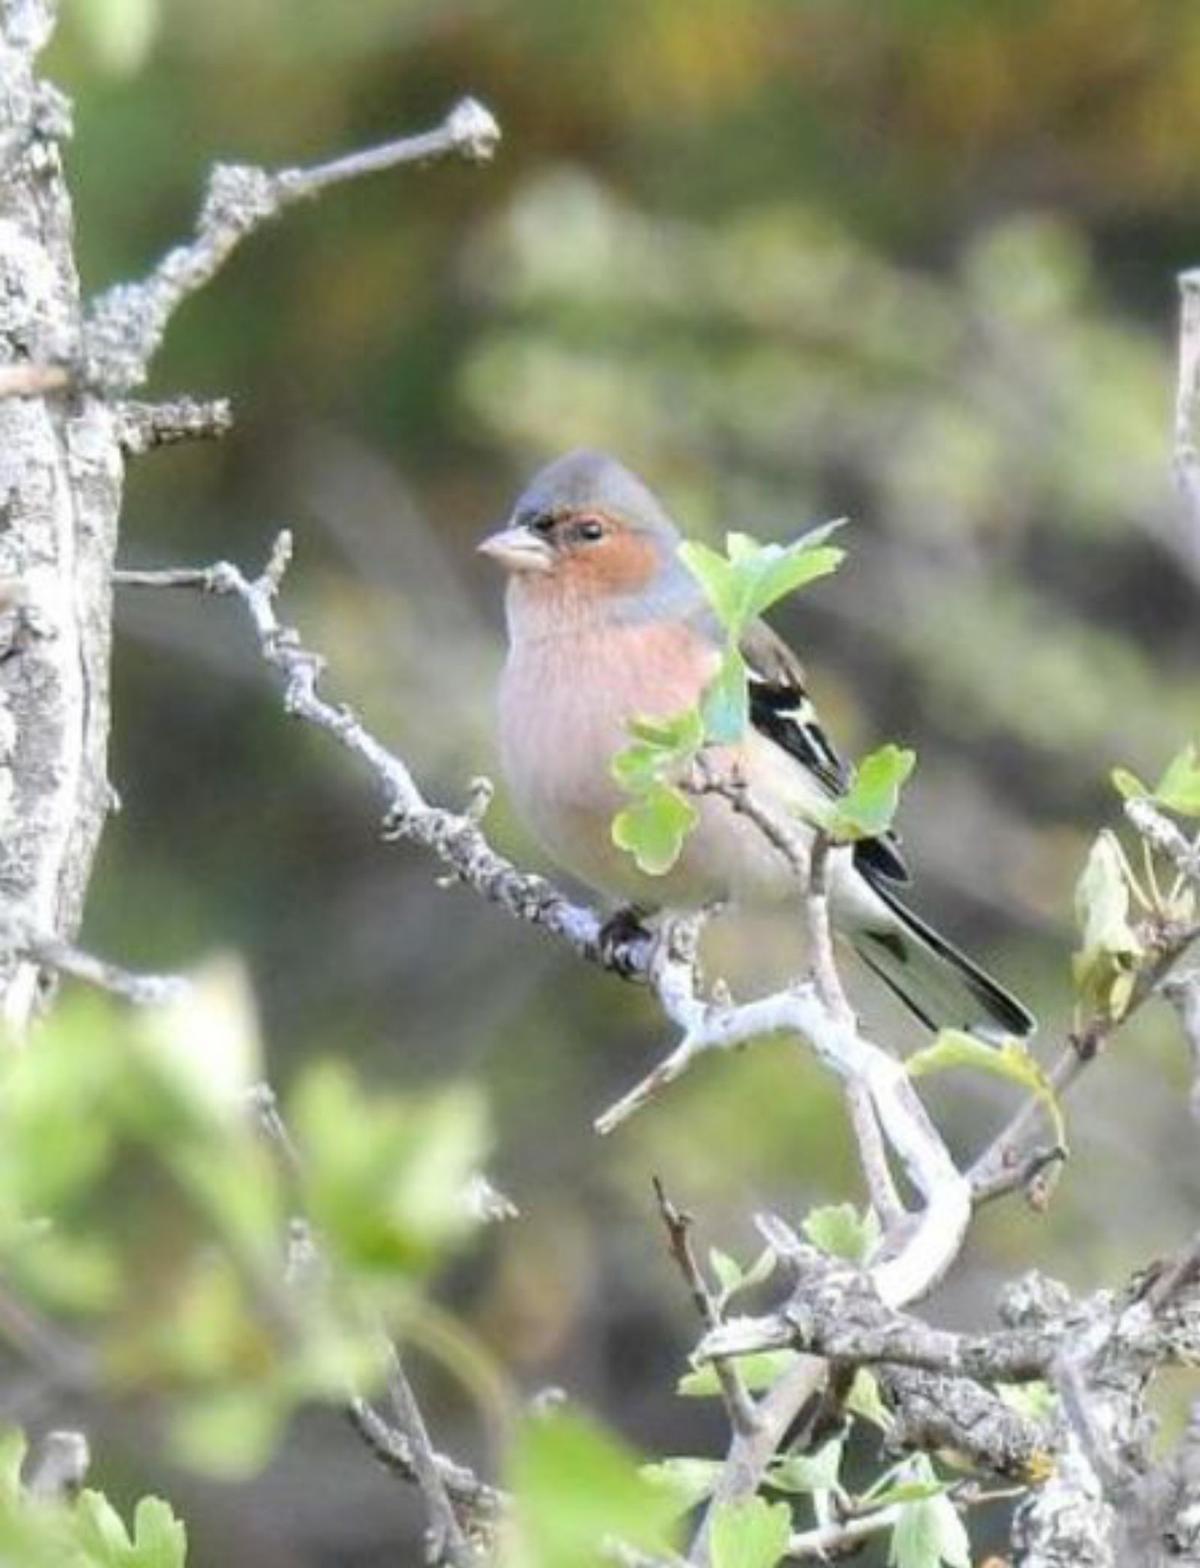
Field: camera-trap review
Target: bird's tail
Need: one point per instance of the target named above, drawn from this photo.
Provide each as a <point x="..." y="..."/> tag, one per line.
<point x="934" y="980"/>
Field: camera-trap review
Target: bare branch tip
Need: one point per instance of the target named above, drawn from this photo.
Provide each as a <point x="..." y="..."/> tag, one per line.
<point x="474" y="130"/>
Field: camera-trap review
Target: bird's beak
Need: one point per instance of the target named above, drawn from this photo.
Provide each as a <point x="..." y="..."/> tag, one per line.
<point x="518" y="550"/>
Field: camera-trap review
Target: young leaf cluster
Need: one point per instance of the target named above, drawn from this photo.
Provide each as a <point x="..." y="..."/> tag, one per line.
<point x="1119" y="910"/>
<point x="81" y="1532"/>
<point x="119" y="1129"/>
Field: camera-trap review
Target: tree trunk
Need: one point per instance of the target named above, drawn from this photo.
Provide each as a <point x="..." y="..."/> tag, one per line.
<point x="61" y="474"/>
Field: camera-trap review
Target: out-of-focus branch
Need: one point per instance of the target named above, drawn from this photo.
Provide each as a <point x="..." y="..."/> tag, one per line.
<point x="1187" y="395"/>
<point x="1183" y="993"/>
<point x="61" y="1465"/>
<point x="483" y="1503"/>
<point x="126" y="324"/>
<point x="405" y="1445"/>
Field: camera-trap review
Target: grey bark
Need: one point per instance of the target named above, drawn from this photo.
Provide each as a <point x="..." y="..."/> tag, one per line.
<point x="60" y="491"/>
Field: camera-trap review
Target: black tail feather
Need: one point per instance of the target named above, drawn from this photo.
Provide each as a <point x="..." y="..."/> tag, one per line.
<point x="937" y="983"/>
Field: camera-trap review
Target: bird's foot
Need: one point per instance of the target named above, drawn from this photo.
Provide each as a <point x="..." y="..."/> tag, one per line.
<point x="621" y="941"/>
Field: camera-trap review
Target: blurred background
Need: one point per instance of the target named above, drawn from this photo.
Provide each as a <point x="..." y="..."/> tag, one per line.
<point x="911" y="263"/>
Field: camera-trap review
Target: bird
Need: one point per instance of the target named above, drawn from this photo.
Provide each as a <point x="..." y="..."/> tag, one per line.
<point x="606" y="625"/>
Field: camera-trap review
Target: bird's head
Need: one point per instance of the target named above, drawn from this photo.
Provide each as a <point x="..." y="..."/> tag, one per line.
<point x="586" y="540"/>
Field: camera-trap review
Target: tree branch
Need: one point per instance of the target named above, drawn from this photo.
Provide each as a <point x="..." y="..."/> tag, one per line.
<point x="455" y="838"/>
<point x="743" y="1417"/>
<point x="141" y="427"/>
<point x="125" y="325"/>
<point x="53" y="953"/>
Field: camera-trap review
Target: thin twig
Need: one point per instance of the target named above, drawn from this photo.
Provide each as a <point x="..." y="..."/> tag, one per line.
<point x="482" y="1502"/>
<point x="447" y="1541"/>
<point x="1178" y="1273"/>
<point x="125" y="325"/>
<point x="872" y="1151"/>
<point x="831" y="1540"/>
<point x="742" y="1415"/>
<point x="1163" y="835"/>
<point x="707" y="777"/>
<point x="142" y="427"/>
<point x="26" y="379"/>
<point x="1003" y="1166"/>
<point x="1183" y="993"/>
<point x="456" y="838"/>
<point x="54" y="953"/>
<point x="410" y="1450"/>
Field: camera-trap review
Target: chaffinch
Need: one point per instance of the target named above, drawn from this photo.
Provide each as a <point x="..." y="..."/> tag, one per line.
<point x="606" y="624"/>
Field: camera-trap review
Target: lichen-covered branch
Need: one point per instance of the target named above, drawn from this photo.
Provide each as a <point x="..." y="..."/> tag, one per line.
<point x="456" y="838"/>
<point x="126" y="325"/>
<point x="60" y="475"/>
<point x="64" y="438"/>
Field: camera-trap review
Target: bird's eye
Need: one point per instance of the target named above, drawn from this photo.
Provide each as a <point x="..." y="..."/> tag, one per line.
<point x="543" y="525"/>
<point x="589" y="530"/>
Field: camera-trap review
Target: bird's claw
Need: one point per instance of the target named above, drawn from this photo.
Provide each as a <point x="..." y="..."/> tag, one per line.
<point x="620" y="942"/>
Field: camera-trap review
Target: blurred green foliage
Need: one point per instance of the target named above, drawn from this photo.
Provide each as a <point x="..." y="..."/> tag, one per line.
<point x="84" y="1532"/>
<point x="792" y="259"/>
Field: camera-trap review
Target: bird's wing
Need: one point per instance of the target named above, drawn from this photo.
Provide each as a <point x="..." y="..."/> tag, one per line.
<point x="782" y="710"/>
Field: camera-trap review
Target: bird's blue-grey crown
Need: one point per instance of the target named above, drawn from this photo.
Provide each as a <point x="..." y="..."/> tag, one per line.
<point x="587" y="479"/>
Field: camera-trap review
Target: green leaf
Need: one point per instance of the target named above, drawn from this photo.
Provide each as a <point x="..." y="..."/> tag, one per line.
<point x="759" y="1371"/>
<point x="680" y="734"/>
<point x="1106" y="964"/>
<point x="653" y="827"/>
<point x="575" y="1486"/>
<point x="1179" y="788"/>
<point x="865" y="1401"/>
<point x="867" y="809"/>
<point x="751" y="577"/>
<point x="956" y="1048"/>
<point x="230" y="1432"/>
<point x="159" y="1538"/>
<point x="13" y="1448"/>
<point x="1036" y="1401"/>
<point x="841" y="1231"/>
<point x="928" y="1532"/>
<point x="1129" y="785"/>
<point x="750" y="1534"/>
<point x="906" y="1492"/>
<point x="100" y="1531"/>
<point x="728" y="1270"/>
<point x="725" y="706"/>
<point x="809" y="1472"/>
<point x="384" y="1176"/>
<point x="718" y="577"/>
<point x="120" y="33"/>
<point x="689" y="1481"/>
<point x="781" y="574"/>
